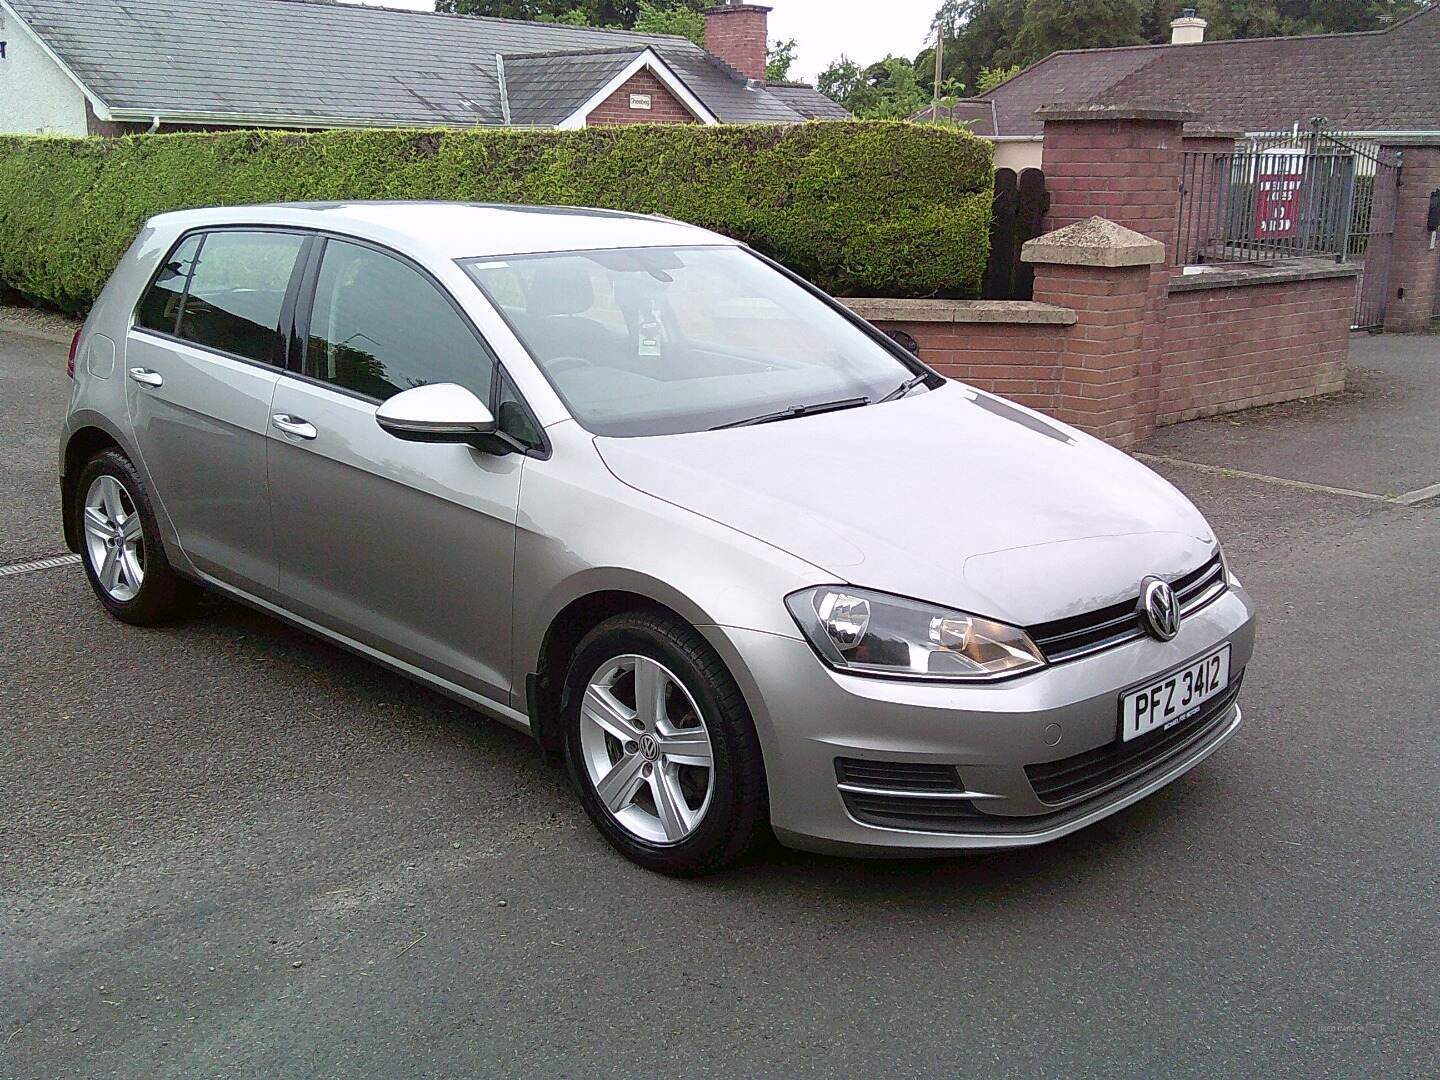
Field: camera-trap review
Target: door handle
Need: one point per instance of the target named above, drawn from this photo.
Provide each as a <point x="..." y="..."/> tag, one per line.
<point x="294" y="425"/>
<point x="146" y="377"/>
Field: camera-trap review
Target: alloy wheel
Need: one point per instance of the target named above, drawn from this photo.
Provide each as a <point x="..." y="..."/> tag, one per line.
<point x="646" y="749"/>
<point x="114" y="541"/>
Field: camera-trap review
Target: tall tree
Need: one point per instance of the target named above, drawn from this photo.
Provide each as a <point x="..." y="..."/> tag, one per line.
<point x="670" y="18"/>
<point x="978" y="34"/>
<point x="1052" y="25"/>
<point x="779" y="58"/>
<point x="621" y="13"/>
<point x="1277" y="18"/>
<point x="888" y="90"/>
<point x="840" y="79"/>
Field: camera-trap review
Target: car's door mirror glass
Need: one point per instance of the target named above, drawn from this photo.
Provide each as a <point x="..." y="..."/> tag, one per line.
<point x="442" y="412"/>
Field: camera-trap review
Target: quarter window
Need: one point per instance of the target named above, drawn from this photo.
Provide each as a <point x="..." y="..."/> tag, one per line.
<point x="160" y="307"/>
<point x="379" y="327"/>
<point x="237" y="290"/>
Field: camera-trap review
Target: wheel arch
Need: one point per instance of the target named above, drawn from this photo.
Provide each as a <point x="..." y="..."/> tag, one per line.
<point x="89" y="437"/>
<point x="544" y="680"/>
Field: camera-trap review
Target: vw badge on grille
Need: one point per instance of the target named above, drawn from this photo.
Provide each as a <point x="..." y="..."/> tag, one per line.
<point x="1158" y="609"/>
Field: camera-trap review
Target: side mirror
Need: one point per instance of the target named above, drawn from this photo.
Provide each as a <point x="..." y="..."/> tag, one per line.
<point x="440" y="413"/>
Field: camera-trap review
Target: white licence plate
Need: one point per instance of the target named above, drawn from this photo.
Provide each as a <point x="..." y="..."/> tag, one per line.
<point x="1174" y="697"/>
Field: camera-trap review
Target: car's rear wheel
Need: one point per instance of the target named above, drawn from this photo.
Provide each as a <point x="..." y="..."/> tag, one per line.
<point x="661" y="747"/>
<point x="120" y="544"/>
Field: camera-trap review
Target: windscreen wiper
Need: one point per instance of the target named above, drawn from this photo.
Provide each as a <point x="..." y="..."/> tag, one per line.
<point x="905" y="387"/>
<point x="796" y="411"/>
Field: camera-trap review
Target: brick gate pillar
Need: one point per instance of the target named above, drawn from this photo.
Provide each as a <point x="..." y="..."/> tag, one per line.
<point x="1103" y="272"/>
<point x="1415" y="265"/>
<point x="1122" y="163"/>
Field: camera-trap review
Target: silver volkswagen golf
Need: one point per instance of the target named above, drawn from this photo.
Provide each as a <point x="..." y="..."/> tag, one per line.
<point x="737" y="558"/>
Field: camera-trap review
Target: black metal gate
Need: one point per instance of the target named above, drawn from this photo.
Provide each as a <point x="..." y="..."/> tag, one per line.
<point x="1295" y="195"/>
<point x="1371" y="199"/>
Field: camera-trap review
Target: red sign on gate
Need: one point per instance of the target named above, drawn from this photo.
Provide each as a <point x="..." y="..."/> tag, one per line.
<point x="1277" y="205"/>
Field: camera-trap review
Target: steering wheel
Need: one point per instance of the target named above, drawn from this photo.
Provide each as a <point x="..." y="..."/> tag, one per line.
<point x="565" y="363"/>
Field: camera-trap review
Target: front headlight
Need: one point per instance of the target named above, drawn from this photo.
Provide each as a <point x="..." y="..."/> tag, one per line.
<point x="871" y="633"/>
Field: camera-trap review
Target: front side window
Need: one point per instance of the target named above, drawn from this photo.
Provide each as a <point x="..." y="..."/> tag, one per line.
<point x="237" y="291"/>
<point x="378" y="327"/>
<point x="654" y="341"/>
<point x="160" y="307"/>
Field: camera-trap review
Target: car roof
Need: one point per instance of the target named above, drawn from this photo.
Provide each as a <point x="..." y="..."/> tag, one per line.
<point x="453" y="230"/>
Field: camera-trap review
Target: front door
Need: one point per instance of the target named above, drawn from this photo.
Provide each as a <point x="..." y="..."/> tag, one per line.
<point x="405" y="547"/>
<point x="201" y="366"/>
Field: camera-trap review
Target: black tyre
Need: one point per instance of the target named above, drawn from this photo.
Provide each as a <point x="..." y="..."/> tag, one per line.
<point x="120" y="544"/>
<point x="661" y="747"/>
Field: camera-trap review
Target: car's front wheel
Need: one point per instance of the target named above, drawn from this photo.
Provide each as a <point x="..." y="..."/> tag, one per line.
<point x="120" y="544"/>
<point x="661" y="747"/>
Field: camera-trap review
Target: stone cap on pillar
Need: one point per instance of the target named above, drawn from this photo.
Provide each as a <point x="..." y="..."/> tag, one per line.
<point x="1097" y="111"/>
<point x="1096" y="241"/>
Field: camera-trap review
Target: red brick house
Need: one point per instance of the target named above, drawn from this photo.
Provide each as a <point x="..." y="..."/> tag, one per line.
<point x="120" y="66"/>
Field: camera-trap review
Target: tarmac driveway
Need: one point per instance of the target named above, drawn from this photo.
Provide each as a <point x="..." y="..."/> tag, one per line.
<point x="229" y="850"/>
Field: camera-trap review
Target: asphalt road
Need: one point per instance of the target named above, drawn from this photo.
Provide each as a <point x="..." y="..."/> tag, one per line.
<point x="229" y="850"/>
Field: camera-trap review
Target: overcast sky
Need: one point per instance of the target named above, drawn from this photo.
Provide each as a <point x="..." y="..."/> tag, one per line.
<point x="864" y="30"/>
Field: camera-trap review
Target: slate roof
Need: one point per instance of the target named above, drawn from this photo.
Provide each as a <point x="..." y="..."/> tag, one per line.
<point x="321" y="63"/>
<point x="1385" y="80"/>
<point x="807" y="101"/>
<point x="545" y="88"/>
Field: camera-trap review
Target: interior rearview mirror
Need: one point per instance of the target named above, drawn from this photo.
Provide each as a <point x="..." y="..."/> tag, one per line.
<point x="442" y="412"/>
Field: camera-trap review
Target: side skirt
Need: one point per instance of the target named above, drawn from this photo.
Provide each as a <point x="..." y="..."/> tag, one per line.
<point x="503" y="713"/>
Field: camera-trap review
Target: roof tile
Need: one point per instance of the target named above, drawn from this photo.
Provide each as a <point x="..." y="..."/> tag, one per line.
<point x="330" y="63"/>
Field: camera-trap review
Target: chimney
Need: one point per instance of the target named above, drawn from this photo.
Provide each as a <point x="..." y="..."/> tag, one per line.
<point x="738" y="33"/>
<point x="1188" y="29"/>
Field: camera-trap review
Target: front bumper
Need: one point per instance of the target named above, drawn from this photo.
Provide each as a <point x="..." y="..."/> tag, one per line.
<point x="809" y="716"/>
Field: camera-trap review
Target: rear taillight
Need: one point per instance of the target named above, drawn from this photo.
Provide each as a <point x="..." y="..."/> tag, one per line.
<point x="74" y="349"/>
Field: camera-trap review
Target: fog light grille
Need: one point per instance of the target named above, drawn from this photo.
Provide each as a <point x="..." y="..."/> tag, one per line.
<point x="914" y="776"/>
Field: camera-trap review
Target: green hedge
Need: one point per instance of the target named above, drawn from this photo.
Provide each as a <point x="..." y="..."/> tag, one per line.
<point x="887" y="208"/>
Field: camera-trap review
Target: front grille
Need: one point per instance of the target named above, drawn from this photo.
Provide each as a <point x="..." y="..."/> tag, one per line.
<point x="1081" y="635"/>
<point x="1082" y="775"/>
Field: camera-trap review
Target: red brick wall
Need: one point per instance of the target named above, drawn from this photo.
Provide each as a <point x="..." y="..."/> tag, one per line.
<point x="1017" y="361"/>
<point x="1416" y="268"/>
<point x="1125" y="170"/>
<point x="1106" y="375"/>
<point x="665" y="107"/>
<point x="738" y="35"/>
<point x="1139" y="355"/>
<point x="1234" y="348"/>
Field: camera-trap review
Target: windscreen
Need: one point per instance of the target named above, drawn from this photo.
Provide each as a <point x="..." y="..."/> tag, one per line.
<point x="653" y="341"/>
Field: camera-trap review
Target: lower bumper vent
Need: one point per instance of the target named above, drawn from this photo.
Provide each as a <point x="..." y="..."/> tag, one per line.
<point x="1081" y="775"/>
<point x="905" y="795"/>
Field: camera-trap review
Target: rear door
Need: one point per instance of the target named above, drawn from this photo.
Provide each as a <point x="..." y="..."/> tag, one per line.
<point x="202" y="363"/>
<point x="406" y="547"/>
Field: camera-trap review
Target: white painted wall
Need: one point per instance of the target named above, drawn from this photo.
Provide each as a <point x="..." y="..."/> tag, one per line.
<point x="36" y="97"/>
<point x="1019" y="155"/>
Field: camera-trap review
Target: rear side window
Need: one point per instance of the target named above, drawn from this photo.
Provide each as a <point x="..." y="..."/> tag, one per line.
<point x="378" y="327"/>
<point x="237" y="290"/>
<point x="160" y="307"/>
